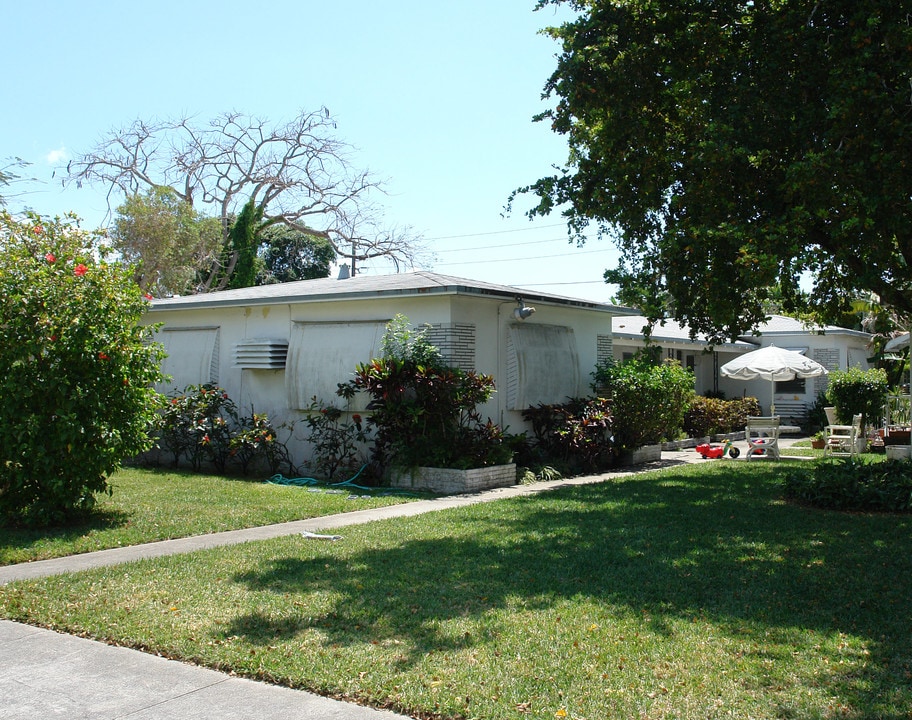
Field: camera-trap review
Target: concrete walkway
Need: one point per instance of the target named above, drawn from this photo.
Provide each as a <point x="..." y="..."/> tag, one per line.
<point x="44" y="674"/>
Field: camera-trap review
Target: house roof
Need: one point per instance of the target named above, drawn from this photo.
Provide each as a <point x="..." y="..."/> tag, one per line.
<point x="779" y="325"/>
<point x="669" y="331"/>
<point x="367" y="286"/>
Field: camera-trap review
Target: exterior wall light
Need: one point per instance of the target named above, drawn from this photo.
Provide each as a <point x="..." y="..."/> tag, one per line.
<point x="522" y="311"/>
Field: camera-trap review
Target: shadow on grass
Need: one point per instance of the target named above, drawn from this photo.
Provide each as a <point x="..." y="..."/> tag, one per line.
<point x="17" y="539"/>
<point x="716" y="545"/>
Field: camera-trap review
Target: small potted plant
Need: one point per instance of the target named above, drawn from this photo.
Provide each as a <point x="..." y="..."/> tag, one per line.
<point x="817" y="441"/>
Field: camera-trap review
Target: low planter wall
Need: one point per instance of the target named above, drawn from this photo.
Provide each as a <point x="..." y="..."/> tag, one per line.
<point x="450" y="481"/>
<point x="648" y="453"/>
<point x="898" y="452"/>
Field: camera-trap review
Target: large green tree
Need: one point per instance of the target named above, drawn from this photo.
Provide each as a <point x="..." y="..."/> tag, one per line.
<point x="731" y="146"/>
<point x="167" y="241"/>
<point x="289" y="255"/>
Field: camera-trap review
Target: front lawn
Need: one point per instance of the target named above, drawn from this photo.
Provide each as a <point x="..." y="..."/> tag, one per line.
<point x="150" y="505"/>
<point x="691" y="592"/>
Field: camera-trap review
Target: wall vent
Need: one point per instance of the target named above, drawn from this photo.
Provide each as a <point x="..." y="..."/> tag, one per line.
<point x="261" y="354"/>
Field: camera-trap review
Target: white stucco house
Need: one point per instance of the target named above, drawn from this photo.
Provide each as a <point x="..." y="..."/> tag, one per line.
<point x="275" y="347"/>
<point x="833" y="347"/>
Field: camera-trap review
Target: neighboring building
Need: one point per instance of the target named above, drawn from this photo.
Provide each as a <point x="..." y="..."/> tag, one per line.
<point x="276" y="347"/>
<point x="833" y="347"/>
<point x="676" y="344"/>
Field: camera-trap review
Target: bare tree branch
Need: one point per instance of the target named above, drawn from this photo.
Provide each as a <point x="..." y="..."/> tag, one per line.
<point x="298" y="174"/>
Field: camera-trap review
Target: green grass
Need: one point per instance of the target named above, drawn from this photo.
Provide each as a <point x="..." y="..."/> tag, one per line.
<point x="149" y="505"/>
<point x="686" y="593"/>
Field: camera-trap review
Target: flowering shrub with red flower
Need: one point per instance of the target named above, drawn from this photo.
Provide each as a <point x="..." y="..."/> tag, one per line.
<point x="202" y="426"/>
<point x="67" y="420"/>
<point x="336" y="444"/>
<point x="422" y="411"/>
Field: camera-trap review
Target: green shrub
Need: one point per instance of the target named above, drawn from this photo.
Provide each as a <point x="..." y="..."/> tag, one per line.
<point x="576" y="435"/>
<point x="647" y="400"/>
<point x="712" y="416"/>
<point x="336" y="442"/>
<point x="702" y="416"/>
<point x="853" y="484"/>
<point x="737" y="411"/>
<point x="424" y="412"/>
<point x="76" y="369"/>
<point x="855" y="391"/>
<point x="202" y="426"/>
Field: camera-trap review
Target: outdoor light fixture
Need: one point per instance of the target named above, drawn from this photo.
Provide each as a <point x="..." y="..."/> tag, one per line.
<point x="523" y="311"/>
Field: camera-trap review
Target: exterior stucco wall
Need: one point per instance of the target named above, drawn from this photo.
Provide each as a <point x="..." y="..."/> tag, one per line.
<point x="476" y="328"/>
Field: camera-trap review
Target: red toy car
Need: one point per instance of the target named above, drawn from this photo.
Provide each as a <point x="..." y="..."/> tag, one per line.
<point x="712" y="451"/>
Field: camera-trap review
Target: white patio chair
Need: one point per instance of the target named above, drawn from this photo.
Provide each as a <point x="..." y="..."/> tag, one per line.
<point x="762" y="435"/>
<point x="841" y="439"/>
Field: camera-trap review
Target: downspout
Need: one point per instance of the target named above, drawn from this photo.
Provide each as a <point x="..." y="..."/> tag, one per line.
<point x="501" y="362"/>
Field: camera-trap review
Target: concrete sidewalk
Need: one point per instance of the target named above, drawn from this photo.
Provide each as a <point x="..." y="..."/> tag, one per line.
<point x="44" y="674"/>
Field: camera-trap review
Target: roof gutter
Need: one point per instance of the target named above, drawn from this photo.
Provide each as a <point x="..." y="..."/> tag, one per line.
<point x="205" y="301"/>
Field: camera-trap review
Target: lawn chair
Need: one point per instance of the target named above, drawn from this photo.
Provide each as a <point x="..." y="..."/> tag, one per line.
<point x="762" y="435"/>
<point x="842" y="439"/>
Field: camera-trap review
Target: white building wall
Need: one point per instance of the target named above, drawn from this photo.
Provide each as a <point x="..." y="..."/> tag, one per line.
<point x="479" y="325"/>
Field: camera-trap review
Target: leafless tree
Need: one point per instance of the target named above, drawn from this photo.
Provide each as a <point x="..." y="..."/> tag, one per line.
<point x="8" y="176"/>
<point x="298" y="174"/>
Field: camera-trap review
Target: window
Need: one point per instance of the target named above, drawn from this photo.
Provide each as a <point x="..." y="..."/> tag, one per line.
<point x="322" y="355"/>
<point x="791" y="387"/>
<point x="192" y="356"/>
<point x="543" y="365"/>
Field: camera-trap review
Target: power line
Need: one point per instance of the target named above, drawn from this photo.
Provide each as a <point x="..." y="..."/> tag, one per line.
<point x="505" y="245"/>
<point x="549" y="284"/>
<point x="518" y="259"/>
<point x="495" y="232"/>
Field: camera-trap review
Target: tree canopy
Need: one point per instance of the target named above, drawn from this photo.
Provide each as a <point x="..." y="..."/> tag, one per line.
<point x="166" y="241"/>
<point x="298" y="175"/>
<point x="289" y="255"/>
<point x="735" y="146"/>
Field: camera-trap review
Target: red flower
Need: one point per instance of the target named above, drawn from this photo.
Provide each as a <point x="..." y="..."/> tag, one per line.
<point x="80" y="270"/>
<point x="50" y="257"/>
<point x="37" y="229"/>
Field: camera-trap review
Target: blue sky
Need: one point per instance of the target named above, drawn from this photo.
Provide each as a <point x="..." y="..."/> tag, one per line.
<point x="437" y="98"/>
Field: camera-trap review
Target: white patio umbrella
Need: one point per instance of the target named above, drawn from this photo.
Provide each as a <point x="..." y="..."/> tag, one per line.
<point x="774" y="364"/>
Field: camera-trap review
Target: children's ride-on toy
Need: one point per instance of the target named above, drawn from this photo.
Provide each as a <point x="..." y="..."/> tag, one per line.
<point x="712" y="451"/>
